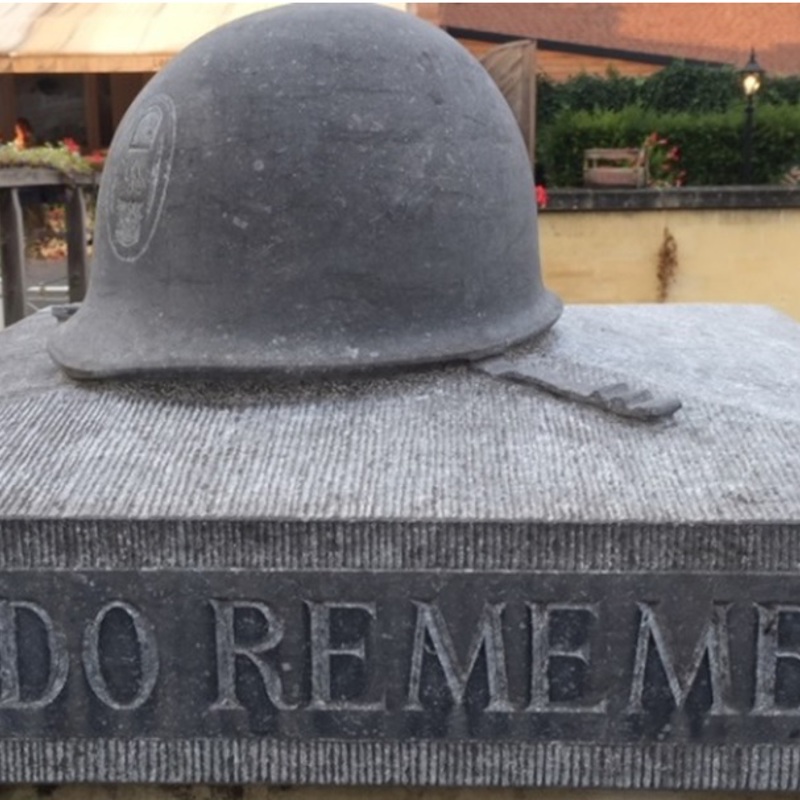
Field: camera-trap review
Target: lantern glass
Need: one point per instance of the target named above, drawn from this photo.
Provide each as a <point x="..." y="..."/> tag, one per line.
<point x="752" y="75"/>
<point x="751" y="83"/>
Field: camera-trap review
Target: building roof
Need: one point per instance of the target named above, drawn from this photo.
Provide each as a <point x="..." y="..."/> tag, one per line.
<point x="715" y="32"/>
<point x="89" y="37"/>
<point x="108" y="37"/>
<point x="77" y="37"/>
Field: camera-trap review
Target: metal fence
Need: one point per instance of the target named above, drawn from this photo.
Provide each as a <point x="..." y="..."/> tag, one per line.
<point x="19" y="294"/>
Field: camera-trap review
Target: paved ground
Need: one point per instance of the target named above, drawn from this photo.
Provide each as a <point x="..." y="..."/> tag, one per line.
<point x="46" y="271"/>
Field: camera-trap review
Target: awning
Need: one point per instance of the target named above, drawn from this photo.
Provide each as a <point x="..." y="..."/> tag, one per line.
<point x="107" y="37"/>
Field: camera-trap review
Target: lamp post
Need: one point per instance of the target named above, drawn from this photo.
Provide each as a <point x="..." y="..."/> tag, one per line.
<point x="751" y="83"/>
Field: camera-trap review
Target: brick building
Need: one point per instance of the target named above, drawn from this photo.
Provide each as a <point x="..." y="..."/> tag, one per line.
<point x="633" y="38"/>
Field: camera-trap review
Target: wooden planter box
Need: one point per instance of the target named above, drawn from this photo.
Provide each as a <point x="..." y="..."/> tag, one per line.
<point x="621" y="167"/>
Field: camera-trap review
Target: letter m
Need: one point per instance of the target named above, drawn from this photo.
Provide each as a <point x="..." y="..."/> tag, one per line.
<point x="713" y="642"/>
<point x="489" y="638"/>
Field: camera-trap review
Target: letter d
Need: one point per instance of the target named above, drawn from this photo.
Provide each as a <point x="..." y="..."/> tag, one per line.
<point x="9" y="661"/>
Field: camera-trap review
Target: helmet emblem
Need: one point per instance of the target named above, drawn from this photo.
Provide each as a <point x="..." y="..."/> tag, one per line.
<point x="140" y="180"/>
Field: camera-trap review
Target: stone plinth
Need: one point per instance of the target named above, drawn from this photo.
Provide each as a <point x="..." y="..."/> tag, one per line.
<point x="429" y="579"/>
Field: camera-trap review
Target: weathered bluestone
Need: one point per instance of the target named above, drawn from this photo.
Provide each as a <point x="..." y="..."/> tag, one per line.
<point x="427" y="578"/>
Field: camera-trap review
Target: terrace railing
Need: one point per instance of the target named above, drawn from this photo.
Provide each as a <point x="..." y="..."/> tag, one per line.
<point x="12" y="233"/>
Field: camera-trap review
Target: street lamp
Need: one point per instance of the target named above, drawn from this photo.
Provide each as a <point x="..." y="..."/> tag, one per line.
<point x="752" y="75"/>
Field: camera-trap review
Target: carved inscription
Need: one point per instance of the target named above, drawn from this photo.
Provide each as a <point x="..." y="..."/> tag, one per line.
<point x="488" y="639"/>
<point x="777" y="650"/>
<point x="546" y="655"/>
<point x="712" y="644"/>
<point x="227" y="650"/>
<point x="324" y="655"/>
<point x="389" y="655"/>
<point x="53" y="662"/>
<point x="146" y="656"/>
<point x="52" y="659"/>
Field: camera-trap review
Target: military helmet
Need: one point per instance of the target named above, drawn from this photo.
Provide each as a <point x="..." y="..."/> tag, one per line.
<point x="311" y="189"/>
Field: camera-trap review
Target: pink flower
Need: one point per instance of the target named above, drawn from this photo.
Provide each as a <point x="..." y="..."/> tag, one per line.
<point x="71" y="145"/>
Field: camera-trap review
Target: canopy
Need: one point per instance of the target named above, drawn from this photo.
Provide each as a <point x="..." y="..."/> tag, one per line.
<point x="107" y="37"/>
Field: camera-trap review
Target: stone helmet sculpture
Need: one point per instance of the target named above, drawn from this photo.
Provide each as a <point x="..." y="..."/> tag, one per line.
<point x="311" y="189"/>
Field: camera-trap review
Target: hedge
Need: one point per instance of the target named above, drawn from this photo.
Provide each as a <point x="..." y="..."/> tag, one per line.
<point x="711" y="144"/>
<point x="678" y="87"/>
<point x="700" y="109"/>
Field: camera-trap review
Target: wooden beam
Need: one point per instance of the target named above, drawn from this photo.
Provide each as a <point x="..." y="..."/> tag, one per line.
<point x="59" y="62"/>
<point x="76" y="244"/>
<point x="12" y="251"/>
<point x="8" y="107"/>
<point x="124" y="89"/>
<point x="91" y="105"/>
<point x="20" y="177"/>
<point x="513" y="68"/>
<point x="528" y="87"/>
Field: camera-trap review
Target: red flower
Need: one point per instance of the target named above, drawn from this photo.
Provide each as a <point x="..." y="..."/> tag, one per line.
<point x="541" y="196"/>
<point x="96" y="159"/>
<point x="71" y="145"/>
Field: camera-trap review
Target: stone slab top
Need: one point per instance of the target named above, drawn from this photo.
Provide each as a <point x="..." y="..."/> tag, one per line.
<point x="435" y="444"/>
<point x="673" y="198"/>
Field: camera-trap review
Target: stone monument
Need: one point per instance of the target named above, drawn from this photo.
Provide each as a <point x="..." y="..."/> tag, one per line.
<point x="310" y="532"/>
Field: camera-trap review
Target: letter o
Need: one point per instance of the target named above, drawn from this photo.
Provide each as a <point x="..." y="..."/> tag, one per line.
<point x="148" y="655"/>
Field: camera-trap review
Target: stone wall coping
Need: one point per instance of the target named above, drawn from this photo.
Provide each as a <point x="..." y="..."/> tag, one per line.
<point x="673" y="198"/>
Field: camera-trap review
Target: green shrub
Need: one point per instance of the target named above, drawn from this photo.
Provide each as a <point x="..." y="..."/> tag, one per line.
<point x="699" y="109"/>
<point x="585" y="93"/>
<point x="63" y="157"/>
<point x="678" y="87"/>
<point x="711" y="144"/>
<point x="683" y="87"/>
<point x="777" y="91"/>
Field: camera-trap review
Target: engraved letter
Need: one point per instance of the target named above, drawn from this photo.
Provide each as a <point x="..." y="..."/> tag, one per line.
<point x="227" y="650"/>
<point x="713" y="642"/>
<point x="148" y="656"/>
<point x="321" y="652"/>
<point x="541" y="653"/>
<point x="9" y="663"/>
<point x="768" y="654"/>
<point x="489" y="637"/>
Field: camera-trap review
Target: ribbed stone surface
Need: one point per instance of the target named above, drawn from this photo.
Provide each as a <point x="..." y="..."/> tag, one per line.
<point x="112" y="792"/>
<point x="438" y="444"/>
<point x="440" y="504"/>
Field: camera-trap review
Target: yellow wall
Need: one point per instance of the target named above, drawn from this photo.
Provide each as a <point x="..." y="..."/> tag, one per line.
<point x="720" y="256"/>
